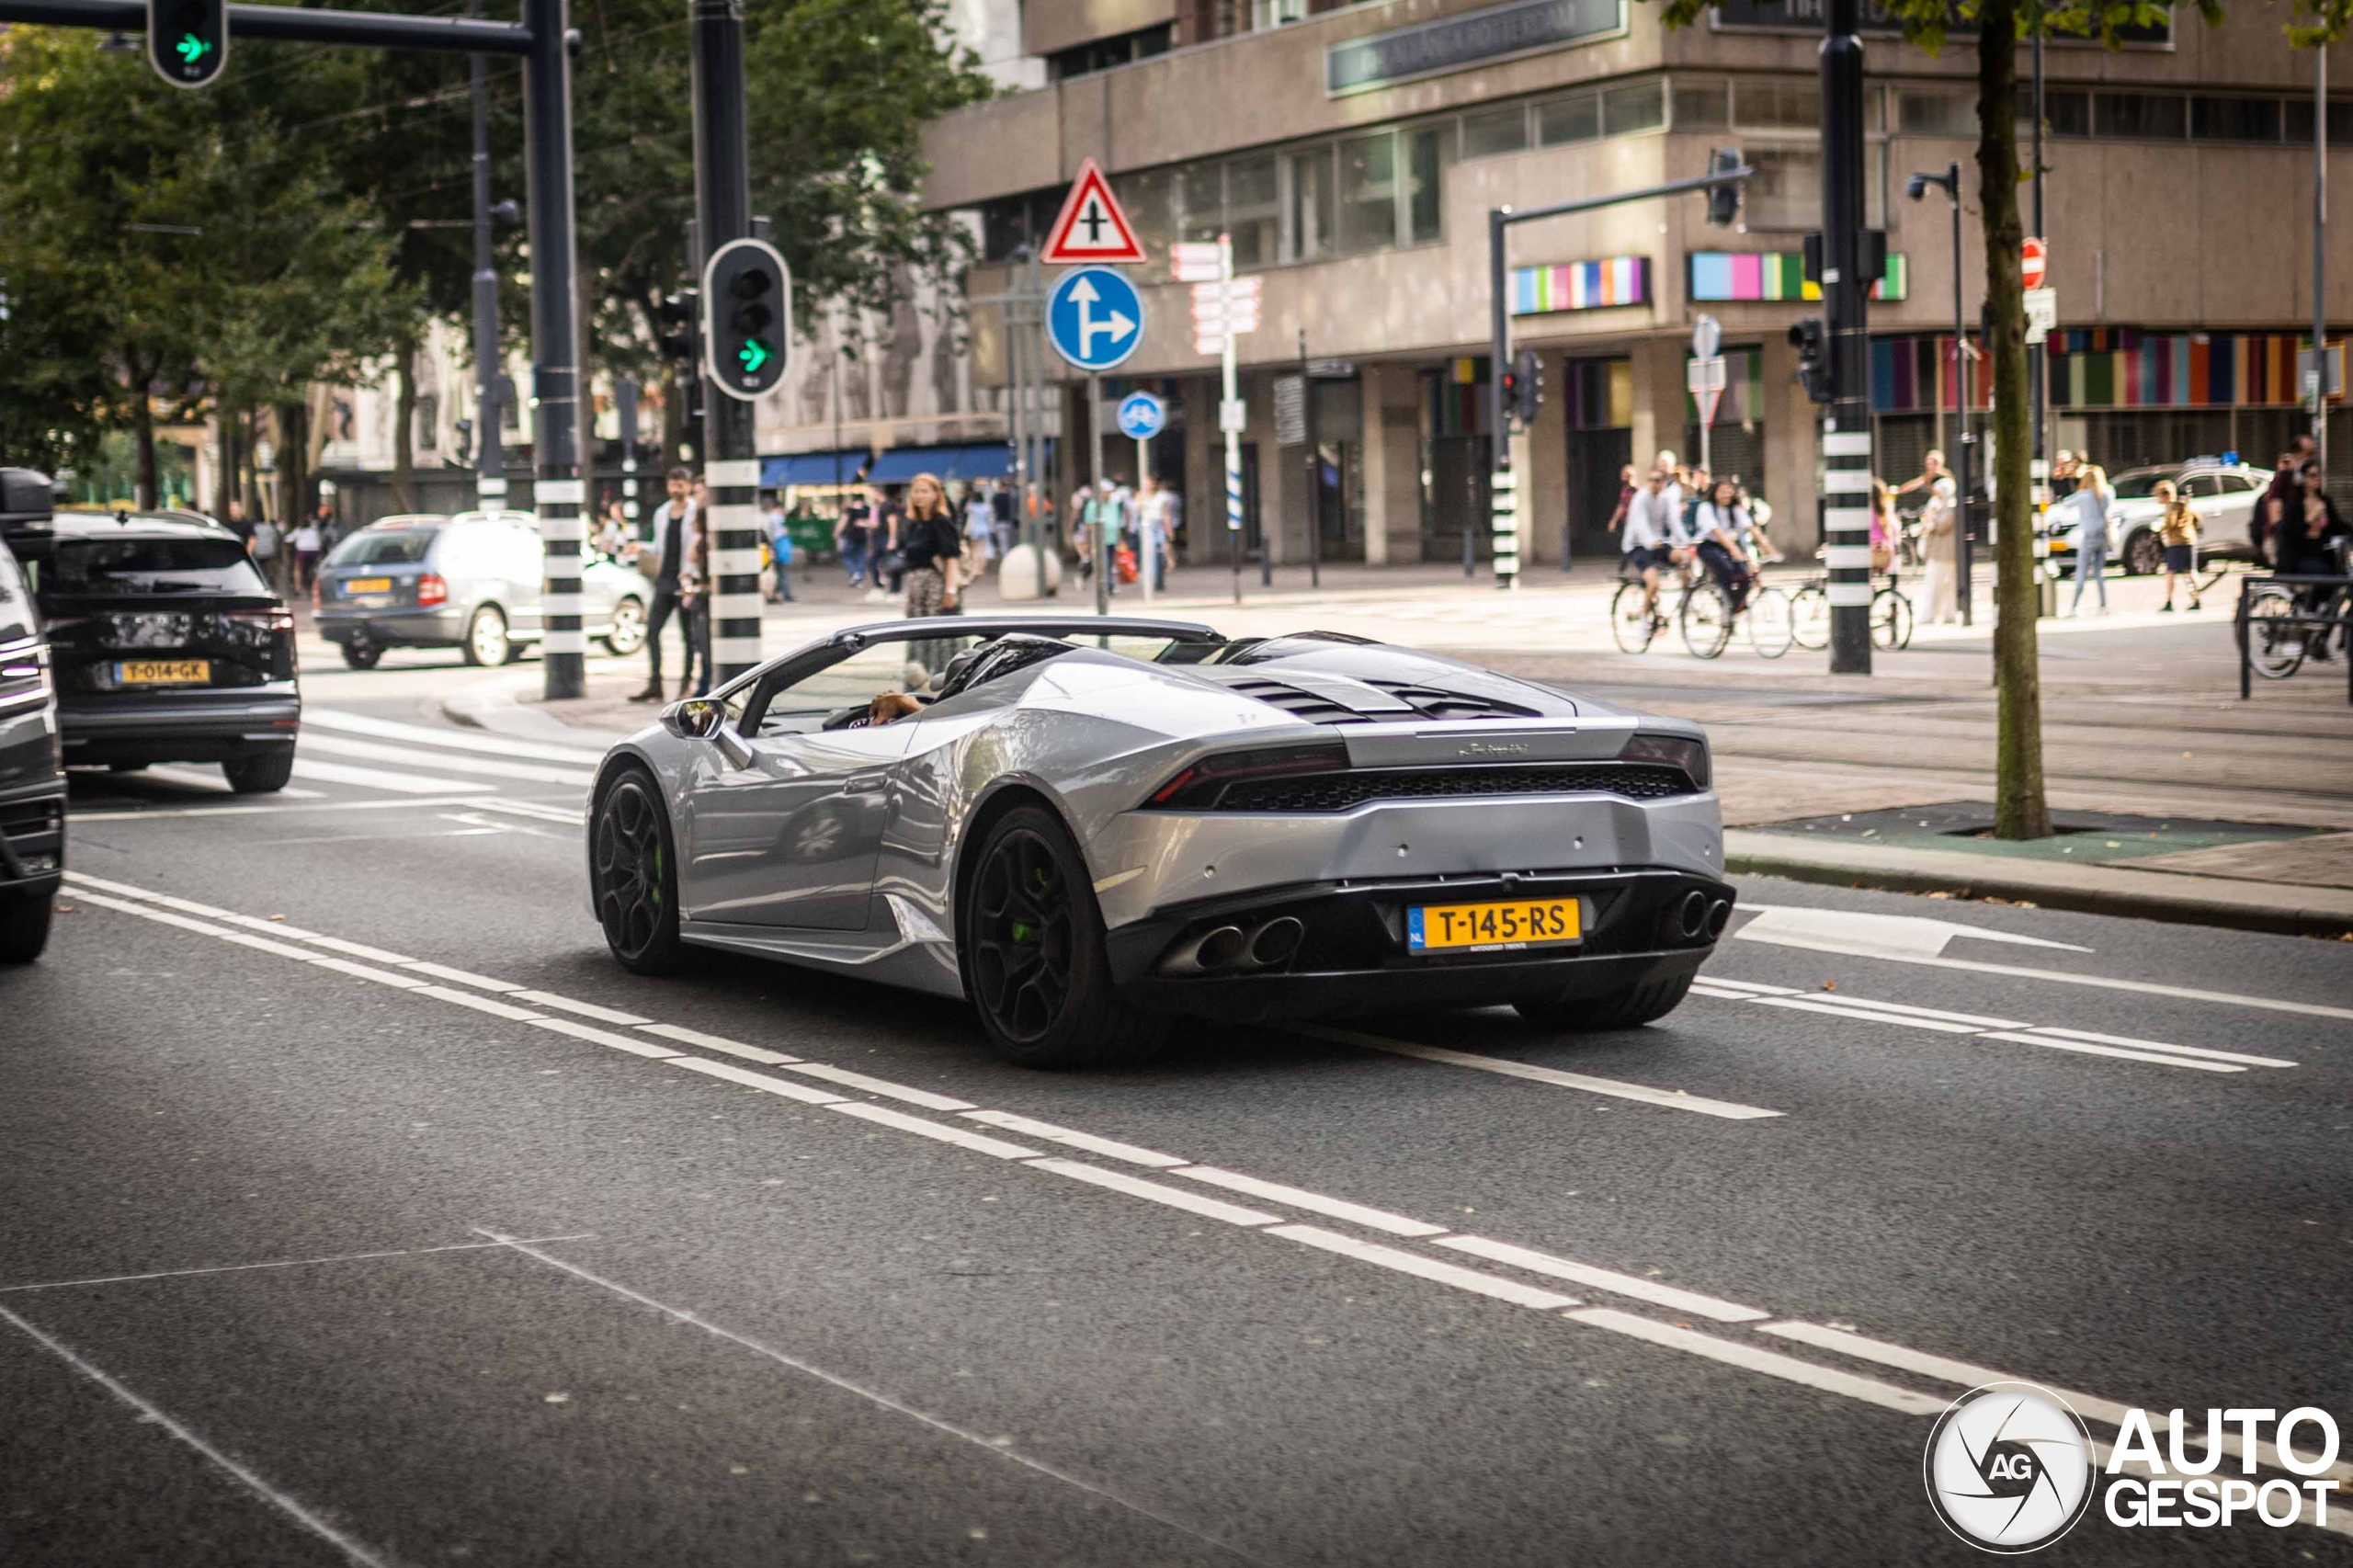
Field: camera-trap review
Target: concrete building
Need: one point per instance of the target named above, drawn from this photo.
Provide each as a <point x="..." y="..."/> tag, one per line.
<point x="1354" y="152"/>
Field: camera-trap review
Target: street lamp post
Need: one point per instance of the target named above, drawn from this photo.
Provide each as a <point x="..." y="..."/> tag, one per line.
<point x="1917" y="187"/>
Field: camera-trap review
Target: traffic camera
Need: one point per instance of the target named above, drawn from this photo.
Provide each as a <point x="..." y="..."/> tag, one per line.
<point x="188" y="40"/>
<point x="1811" y="338"/>
<point x="1723" y="200"/>
<point x="747" y="305"/>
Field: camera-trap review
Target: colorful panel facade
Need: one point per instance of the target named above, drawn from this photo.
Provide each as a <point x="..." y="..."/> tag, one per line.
<point x="1597" y="394"/>
<point x="1767" y="277"/>
<point x="1458" y="397"/>
<point x="1581" y="285"/>
<point x="2105" y="367"/>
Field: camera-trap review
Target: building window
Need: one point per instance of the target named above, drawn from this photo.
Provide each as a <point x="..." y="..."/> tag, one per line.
<point x="1308" y="231"/>
<point x="1103" y="54"/>
<point x="2069" y="114"/>
<point x="1369" y="191"/>
<point x="1149" y="200"/>
<point x="1701" y="106"/>
<point x="428" y="421"/>
<point x="2141" y="117"/>
<point x="1639" y="107"/>
<point x="1921" y="111"/>
<point x="1252" y="211"/>
<point x="1574" y="118"/>
<point x="1201" y="192"/>
<point x="2234" y="119"/>
<point x="1795" y="106"/>
<point x="1265" y="13"/>
<point x="1495" y="130"/>
<point x="1787" y="192"/>
<point x="1424" y="212"/>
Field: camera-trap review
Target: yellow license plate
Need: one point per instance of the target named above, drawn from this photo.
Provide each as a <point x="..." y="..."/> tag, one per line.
<point x="1438" y="928"/>
<point x="165" y="672"/>
<point x="369" y="585"/>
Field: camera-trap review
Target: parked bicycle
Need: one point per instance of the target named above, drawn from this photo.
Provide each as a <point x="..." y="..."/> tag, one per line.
<point x="2287" y="624"/>
<point x="1809" y="613"/>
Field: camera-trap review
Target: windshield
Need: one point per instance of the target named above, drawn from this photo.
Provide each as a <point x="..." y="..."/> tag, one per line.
<point x="2139" y="484"/>
<point x="118" y="566"/>
<point x="384" y="547"/>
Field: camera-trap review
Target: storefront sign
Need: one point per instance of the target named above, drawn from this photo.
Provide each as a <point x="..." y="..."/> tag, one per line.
<point x="1807" y="17"/>
<point x="1478" y="37"/>
<point x="1718" y="277"/>
<point x="1581" y="285"/>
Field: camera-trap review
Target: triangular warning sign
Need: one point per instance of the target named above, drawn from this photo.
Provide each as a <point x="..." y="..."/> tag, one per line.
<point x="1091" y="228"/>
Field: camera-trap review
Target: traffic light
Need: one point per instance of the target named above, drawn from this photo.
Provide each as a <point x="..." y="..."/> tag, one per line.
<point x="1811" y="338"/>
<point x="748" y="310"/>
<point x="1523" y="386"/>
<point x="1723" y="200"/>
<point x="675" y="323"/>
<point x="188" y="40"/>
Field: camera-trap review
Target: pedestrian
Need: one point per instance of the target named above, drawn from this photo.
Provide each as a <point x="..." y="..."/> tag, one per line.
<point x="236" y="524"/>
<point x="932" y="556"/>
<point x="980" y="531"/>
<point x="2177" y="531"/>
<point x="1941" y="549"/>
<point x="850" y="533"/>
<point x="1643" y="544"/>
<point x="1932" y="469"/>
<point x="2285" y="490"/>
<point x="777" y="531"/>
<point x="2090" y="502"/>
<point x="266" y="550"/>
<point x="308" y="541"/>
<point x="1883" y="526"/>
<point x="613" y="530"/>
<point x="1719" y="524"/>
<point x="1627" y="489"/>
<point x="678" y="539"/>
<point x="889" y="568"/>
<point x="1001" y="502"/>
<point x="1155" y="528"/>
<point x="2307" y="531"/>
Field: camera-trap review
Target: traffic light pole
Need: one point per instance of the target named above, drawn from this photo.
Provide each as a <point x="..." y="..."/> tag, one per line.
<point x="543" y="42"/>
<point x="723" y="213"/>
<point x="1846" y="427"/>
<point x="1503" y="497"/>
<point x="489" y="463"/>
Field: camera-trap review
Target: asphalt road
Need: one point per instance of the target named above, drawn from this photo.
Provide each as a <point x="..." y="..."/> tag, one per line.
<point x="311" y="1254"/>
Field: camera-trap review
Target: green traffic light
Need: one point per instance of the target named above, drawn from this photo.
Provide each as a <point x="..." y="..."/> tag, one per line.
<point x="754" y="353"/>
<point x="190" y="48"/>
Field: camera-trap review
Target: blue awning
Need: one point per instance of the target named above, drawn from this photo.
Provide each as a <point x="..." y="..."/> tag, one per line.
<point x="813" y="468"/>
<point x="981" y="459"/>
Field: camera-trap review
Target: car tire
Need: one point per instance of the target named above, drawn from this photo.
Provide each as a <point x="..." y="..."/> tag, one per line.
<point x="486" y="641"/>
<point x="2144" y="554"/>
<point x="362" y="655"/>
<point x="24" y="926"/>
<point x="1631" y="1009"/>
<point x="1034" y="958"/>
<point x="633" y="875"/>
<point x="626" y="634"/>
<point x="264" y="773"/>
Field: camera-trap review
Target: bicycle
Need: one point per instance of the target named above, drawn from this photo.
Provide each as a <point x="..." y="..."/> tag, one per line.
<point x="1704" y="616"/>
<point x="1891" y="611"/>
<point x="2281" y="633"/>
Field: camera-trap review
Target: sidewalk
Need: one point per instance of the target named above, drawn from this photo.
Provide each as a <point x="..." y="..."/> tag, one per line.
<point x="2142" y="723"/>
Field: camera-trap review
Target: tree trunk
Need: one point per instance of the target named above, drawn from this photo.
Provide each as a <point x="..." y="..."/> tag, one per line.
<point x="224" y="483"/>
<point x="293" y="463"/>
<point x="2019" y="808"/>
<point x="143" y="428"/>
<point x="404" y="426"/>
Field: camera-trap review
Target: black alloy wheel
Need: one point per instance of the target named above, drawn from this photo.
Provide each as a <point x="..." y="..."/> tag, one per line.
<point x="1034" y="953"/>
<point x="261" y="772"/>
<point x="636" y="880"/>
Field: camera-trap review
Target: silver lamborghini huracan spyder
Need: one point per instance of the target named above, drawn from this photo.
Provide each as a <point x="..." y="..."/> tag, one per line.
<point x="1091" y="827"/>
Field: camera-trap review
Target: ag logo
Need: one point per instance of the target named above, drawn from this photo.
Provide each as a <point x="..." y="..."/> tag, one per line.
<point x="2009" y="1467"/>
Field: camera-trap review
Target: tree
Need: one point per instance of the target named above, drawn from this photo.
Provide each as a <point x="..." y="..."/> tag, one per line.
<point x="2021" y="809"/>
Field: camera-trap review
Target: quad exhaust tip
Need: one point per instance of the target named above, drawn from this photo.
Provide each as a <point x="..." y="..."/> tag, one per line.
<point x="1719" y="915"/>
<point x="1693" y="916"/>
<point x="1218" y="948"/>
<point x="1276" y="941"/>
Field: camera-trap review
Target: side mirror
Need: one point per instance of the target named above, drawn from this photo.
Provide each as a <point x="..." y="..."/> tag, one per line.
<point x="697" y="717"/>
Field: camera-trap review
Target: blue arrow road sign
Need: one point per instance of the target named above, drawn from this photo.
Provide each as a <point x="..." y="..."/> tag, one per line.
<point x="1094" y="318"/>
<point x="1142" y="415"/>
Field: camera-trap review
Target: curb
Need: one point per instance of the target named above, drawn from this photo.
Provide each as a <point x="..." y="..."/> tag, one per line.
<point x="491" y="706"/>
<point x="2138" y="895"/>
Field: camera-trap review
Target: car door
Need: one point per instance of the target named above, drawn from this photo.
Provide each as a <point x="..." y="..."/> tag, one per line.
<point x="2224" y="503"/>
<point x="784" y="815"/>
<point x="523" y="571"/>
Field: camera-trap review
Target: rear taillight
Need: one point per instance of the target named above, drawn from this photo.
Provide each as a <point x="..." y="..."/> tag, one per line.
<point x="279" y="618"/>
<point x="24" y="674"/>
<point x="431" y="589"/>
<point x="1673" y="750"/>
<point x="1198" y="786"/>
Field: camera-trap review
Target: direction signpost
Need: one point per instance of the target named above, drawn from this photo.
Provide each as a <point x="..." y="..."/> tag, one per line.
<point x="1095" y="321"/>
<point x="1704" y="379"/>
<point x="1209" y="266"/>
<point x="1142" y="416"/>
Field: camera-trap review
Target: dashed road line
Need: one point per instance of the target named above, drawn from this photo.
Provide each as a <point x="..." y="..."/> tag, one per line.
<point x="1673" y="1099"/>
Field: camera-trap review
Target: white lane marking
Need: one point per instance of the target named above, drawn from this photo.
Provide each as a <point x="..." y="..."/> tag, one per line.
<point x="1747" y="985"/>
<point x="369" y="971"/>
<point x="1156" y="1192"/>
<point x="2084" y="1047"/>
<point x="540" y="810"/>
<point x="1110" y="1149"/>
<point x="1429" y="1268"/>
<point x="378" y="779"/>
<point x="217" y="783"/>
<point x="1607" y="1279"/>
<point x="490" y="1004"/>
<point x="1772" y="1363"/>
<point x="317" y="718"/>
<point x="1849" y="1010"/>
<point x="1000" y="1446"/>
<point x="274" y="1263"/>
<point x="277" y="928"/>
<point x="476" y="767"/>
<point x="248" y="1479"/>
<point x="882" y="1087"/>
<point x="2155" y="1045"/>
<point x="1313" y="1202"/>
<point x="1720" y="996"/>
<point x="720" y="1043"/>
<point x="1672" y="1099"/>
<point x="1872" y="933"/>
<point x="779" y="1087"/>
<point x="585" y="1009"/>
<point x="1944" y="1369"/>
<point x="260" y="944"/>
<point x="603" y="1036"/>
<point x="461" y="976"/>
<point x="2102" y="982"/>
<point x="1977" y="1020"/>
<point x="324" y="805"/>
<point x="963" y="1138"/>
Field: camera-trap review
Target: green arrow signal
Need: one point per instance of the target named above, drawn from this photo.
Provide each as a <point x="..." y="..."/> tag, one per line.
<point x="190" y="48"/>
<point x="754" y="353"/>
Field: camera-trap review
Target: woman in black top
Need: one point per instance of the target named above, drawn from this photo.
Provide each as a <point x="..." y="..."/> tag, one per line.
<point x="932" y="550"/>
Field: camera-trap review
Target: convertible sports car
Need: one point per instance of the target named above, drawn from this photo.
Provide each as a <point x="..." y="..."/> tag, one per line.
<point x="1093" y="826"/>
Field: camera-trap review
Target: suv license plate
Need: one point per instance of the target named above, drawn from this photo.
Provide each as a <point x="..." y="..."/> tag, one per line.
<point x="164" y="672"/>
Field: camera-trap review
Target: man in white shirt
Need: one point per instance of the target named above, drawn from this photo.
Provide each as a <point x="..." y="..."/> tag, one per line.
<point x="1654" y="523"/>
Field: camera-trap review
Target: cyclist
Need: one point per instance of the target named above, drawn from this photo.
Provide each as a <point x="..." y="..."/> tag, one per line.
<point x="1653" y="521"/>
<point x="1721" y="525"/>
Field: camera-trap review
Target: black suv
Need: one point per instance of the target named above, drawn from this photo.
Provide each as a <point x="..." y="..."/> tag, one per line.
<point x="33" y="776"/>
<point x="167" y="644"/>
